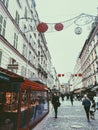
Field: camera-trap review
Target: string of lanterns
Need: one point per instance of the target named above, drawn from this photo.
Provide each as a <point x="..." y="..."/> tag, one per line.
<point x="76" y="75"/>
<point x="79" y="20"/>
<point x="43" y="27"/>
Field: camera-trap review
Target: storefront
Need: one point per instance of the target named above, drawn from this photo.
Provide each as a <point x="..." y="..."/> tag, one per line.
<point x="23" y="103"/>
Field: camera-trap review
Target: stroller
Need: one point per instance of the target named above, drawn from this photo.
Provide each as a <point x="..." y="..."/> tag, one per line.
<point x="93" y="109"/>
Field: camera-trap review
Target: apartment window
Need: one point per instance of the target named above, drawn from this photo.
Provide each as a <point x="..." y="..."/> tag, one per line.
<point x="12" y="61"/>
<point x="25" y="15"/>
<point x="33" y="3"/>
<point x="0" y="56"/>
<point x="17" y="17"/>
<point x="19" y="3"/>
<point x="2" y="25"/>
<point x="30" y="36"/>
<point x="35" y="35"/>
<point x="24" y="50"/>
<point x="1" y="21"/>
<point x="38" y="42"/>
<point x="15" y="40"/>
<point x="30" y="40"/>
<point x="23" y="71"/>
<point x="95" y="51"/>
<point x="6" y="3"/>
<point x="29" y="56"/>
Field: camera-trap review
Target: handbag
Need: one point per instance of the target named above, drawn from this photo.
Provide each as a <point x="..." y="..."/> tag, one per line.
<point x="58" y="104"/>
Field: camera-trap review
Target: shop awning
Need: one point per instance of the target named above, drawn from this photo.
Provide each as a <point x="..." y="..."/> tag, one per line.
<point x="79" y="90"/>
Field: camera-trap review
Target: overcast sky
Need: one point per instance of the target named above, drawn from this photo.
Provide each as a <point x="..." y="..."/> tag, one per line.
<point x="65" y="45"/>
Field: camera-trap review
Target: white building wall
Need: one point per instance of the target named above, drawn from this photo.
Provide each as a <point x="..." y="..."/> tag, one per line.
<point x="33" y="40"/>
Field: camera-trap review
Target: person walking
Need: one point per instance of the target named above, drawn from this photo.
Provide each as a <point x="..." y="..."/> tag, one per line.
<point x="62" y="97"/>
<point x="71" y="98"/>
<point x="92" y="109"/>
<point x="86" y="103"/>
<point x="55" y="102"/>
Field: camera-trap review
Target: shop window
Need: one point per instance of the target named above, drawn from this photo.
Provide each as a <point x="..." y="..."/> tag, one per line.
<point x="8" y="101"/>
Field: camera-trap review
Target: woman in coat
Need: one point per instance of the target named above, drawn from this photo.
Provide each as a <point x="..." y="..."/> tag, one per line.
<point x="55" y="102"/>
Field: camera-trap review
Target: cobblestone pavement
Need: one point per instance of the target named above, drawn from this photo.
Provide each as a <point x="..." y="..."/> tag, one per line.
<point x="69" y="118"/>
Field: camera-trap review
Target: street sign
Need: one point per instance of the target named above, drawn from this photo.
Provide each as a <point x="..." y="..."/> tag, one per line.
<point x="12" y="66"/>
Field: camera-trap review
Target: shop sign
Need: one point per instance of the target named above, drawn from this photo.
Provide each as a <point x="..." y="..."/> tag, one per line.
<point x="12" y="66"/>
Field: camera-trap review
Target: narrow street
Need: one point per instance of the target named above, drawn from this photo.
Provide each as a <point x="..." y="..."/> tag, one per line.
<point x="47" y="52"/>
<point x="69" y="118"/>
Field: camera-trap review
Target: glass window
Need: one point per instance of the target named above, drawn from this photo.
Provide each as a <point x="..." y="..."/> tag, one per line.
<point x="17" y="17"/>
<point x="9" y="101"/>
<point x="23" y="71"/>
<point x="15" y="40"/>
<point x="24" y="109"/>
<point x="2" y="25"/>
<point x="6" y="3"/>
<point x="24" y="50"/>
<point x="19" y="3"/>
<point x="29" y="56"/>
<point x="25" y="15"/>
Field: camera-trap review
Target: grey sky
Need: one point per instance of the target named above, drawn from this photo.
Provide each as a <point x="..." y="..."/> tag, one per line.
<point x="65" y="45"/>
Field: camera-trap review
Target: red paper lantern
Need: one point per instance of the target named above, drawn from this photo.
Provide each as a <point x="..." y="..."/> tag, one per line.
<point x="42" y="27"/>
<point x="75" y="75"/>
<point x="59" y="26"/>
<point x="79" y="74"/>
<point x="59" y="75"/>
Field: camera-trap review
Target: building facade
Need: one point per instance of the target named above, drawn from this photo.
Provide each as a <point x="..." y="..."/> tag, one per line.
<point x="23" y="50"/>
<point x="88" y="58"/>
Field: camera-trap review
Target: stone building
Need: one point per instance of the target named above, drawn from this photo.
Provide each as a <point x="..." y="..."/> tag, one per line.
<point x="23" y="50"/>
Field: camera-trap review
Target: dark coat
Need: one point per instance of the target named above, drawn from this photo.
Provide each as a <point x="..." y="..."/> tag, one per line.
<point x="71" y="97"/>
<point x="86" y="102"/>
<point x="55" y="100"/>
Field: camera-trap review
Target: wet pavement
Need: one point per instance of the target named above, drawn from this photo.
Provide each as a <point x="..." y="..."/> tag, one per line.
<point x="69" y="118"/>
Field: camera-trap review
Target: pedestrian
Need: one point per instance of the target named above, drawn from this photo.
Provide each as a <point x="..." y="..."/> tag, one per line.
<point x="56" y="103"/>
<point x="92" y="109"/>
<point x="67" y="96"/>
<point x="62" y="96"/>
<point x="86" y="103"/>
<point x="71" y="98"/>
<point x="96" y="101"/>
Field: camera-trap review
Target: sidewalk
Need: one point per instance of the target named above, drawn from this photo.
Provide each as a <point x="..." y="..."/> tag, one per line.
<point x="69" y="118"/>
